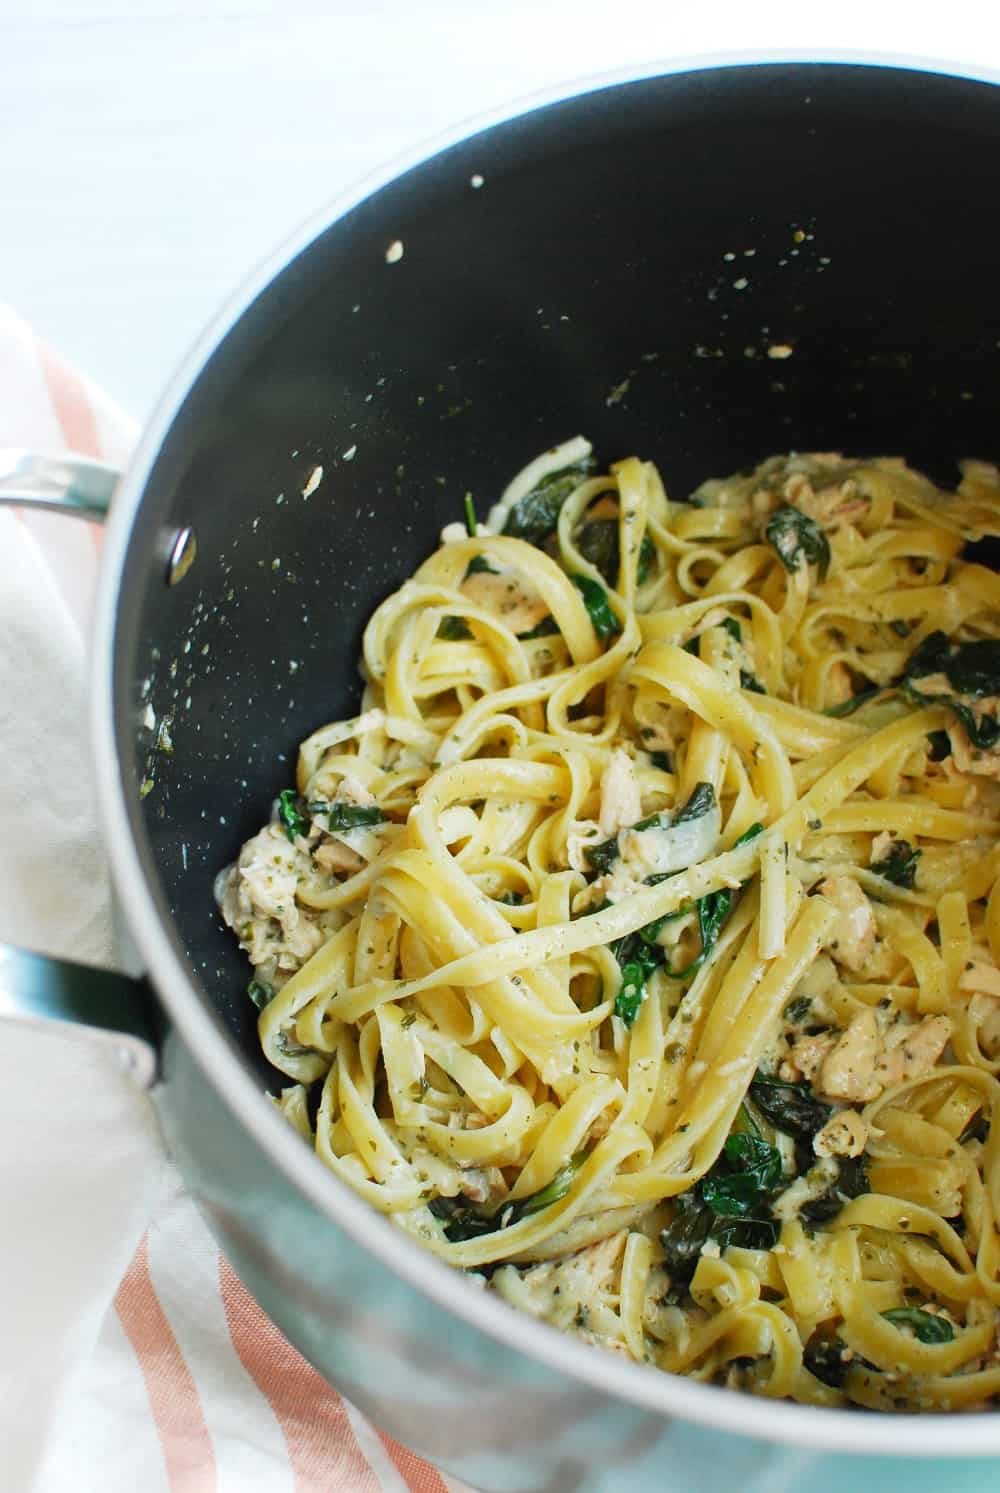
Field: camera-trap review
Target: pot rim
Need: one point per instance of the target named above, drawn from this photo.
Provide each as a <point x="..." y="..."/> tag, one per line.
<point x="960" y="1434"/>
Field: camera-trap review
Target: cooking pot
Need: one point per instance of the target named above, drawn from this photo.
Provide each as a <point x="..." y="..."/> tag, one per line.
<point x="703" y="267"/>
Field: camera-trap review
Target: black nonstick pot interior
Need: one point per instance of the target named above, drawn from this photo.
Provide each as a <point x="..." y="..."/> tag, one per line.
<point x="632" y="266"/>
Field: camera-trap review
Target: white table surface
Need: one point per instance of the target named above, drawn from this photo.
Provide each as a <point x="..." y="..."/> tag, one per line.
<point x="155" y="150"/>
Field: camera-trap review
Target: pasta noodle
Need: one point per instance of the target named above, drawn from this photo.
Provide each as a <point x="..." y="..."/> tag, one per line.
<point x="637" y="946"/>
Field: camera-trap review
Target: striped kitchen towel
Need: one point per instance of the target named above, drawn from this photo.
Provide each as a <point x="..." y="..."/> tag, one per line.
<point x="130" y="1353"/>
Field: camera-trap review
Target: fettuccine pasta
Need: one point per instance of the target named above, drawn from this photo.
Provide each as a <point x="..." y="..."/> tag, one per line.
<point x="637" y="945"/>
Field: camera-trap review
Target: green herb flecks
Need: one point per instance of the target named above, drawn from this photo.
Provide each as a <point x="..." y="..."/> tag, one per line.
<point x="470" y="516"/>
<point x="925" y="1326"/>
<point x="595" y="599"/>
<point x="535" y="516"/>
<point x="898" y="865"/>
<point x="797" y="540"/>
<point x="290" y="806"/>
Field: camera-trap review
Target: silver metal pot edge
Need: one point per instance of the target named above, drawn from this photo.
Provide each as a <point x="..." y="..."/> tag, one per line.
<point x="959" y="1435"/>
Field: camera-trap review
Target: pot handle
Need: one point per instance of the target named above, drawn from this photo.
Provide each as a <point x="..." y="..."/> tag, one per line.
<point x="110" y="1008"/>
<point x="68" y="484"/>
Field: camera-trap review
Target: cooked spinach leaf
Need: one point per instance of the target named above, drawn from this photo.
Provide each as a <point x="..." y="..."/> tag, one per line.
<point x="547" y="628"/>
<point x="747" y="679"/>
<point x="983" y="731"/>
<point x="926" y="1326"/>
<point x="461" y="1220"/>
<point x="739" y="1183"/>
<point x="789" y="1107"/>
<point x="347" y="816"/>
<point x="824" y="1357"/>
<point x="938" y="745"/>
<point x="290" y="1047"/>
<point x="290" y="806"/>
<point x="552" y="1192"/>
<point x="480" y="565"/>
<point x="695" y="1221"/>
<point x="797" y="1010"/>
<point x="754" y="830"/>
<point x="535" y="516"/>
<point x="454" y="630"/>
<point x="685" y="1235"/>
<point x="899" y="865"/>
<point x="603" y="855"/>
<point x="595" y="599"/>
<point x="848" y="707"/>
<point x="635" y="972"/>
<point x="597" y="542"/>
<point x="851" y="1181"/>
<point x="702" y="801"/>
<point x="714" y="908"/>
<point x="972" y="670"/>
<point x="797" y="538"/>
<point x="261" y="993"/>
